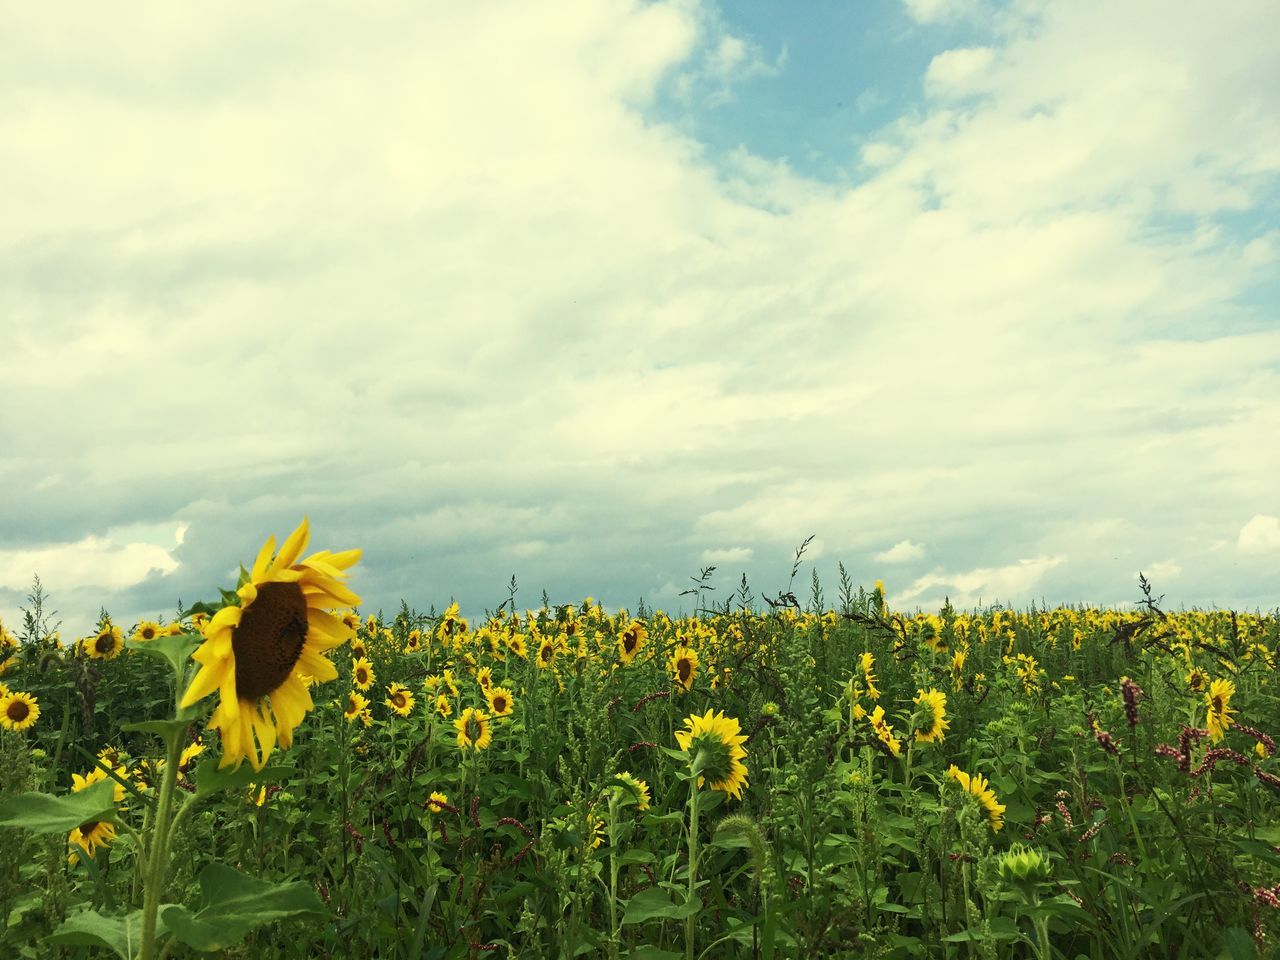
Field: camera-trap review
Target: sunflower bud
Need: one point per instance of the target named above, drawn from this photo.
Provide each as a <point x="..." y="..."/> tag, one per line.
<point x="1024" y="865"/>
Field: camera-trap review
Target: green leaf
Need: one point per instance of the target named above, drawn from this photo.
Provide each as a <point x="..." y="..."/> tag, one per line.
<point x="123" y="935"/>
<point x="47" y="813"/>
<point x="211" y="780"/>
<point x="655" y="903"/>
<point x="164" y="729"/>
<point x="650" y="952"/>
<point x="176" y="650"/>
<point x="1239" y="944"/>
<point x="208" y="609"/>
<point x="232" y="904"/>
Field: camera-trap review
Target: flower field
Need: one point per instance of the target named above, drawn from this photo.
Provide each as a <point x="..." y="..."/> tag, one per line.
<point x="282" y="774"/>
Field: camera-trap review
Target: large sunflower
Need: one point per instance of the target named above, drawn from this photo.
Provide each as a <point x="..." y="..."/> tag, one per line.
<point x="18" y="711"/>
<point x="683" y="666"/>
<point x="256" y="654"/>
<point x="1218" y="715"/>
<point x="719" y="739"/>
<point x="632" y="640"/>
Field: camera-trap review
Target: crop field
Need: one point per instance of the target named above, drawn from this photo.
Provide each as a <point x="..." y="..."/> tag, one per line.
<point x="279" y="773"/>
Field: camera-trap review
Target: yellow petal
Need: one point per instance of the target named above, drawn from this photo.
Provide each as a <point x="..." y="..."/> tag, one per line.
<point x="293" y="547"/>
<point x="259" y="569"/>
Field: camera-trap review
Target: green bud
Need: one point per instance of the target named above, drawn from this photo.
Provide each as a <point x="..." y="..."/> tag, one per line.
<point x="1024" y="865"/>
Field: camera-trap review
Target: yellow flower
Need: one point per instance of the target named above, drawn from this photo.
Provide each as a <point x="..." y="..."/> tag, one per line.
<point x="256" y="654"/>
<point x="89" y="837"/>
<point x="546" y="653"/>
<point x="443" y="707"/>
<point x="977" y="786"/>
<point x="18" y="711"/>
<point x="868" y="665"/>
<point x="362" y="674"/>
<point x="632" y="640"/>
<point x="146" y="630"/>
<point x="501" y="702"/>
<point x="97" y="775"/>
<point x="106" y="644"/>
<point x="639" y="792"/>
<point x="473" y="730"/>
<point x="929" y="723"/>
<point x="885" y="732"/>
<point x="356" y="706"/>
<point x="718" y="740"/>
<point x="1197" y="679"/>
<point x="399" y="699"/>
<point x="484" y="677"/>
<point x="684" y="667"/>
<point x="437" y="802"/>
<point x="1218" y="701"/>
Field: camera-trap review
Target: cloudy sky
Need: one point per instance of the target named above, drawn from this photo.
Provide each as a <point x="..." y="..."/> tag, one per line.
<point x="599" y="292"/>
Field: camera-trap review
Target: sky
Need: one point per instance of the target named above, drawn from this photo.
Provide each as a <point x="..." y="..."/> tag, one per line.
<point x="598" y="293"/>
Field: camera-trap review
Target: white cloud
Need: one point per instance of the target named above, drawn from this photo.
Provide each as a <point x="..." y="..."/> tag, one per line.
<point x="727" y="555"/>
<point x="957" y="72"/>
<point x="93" y="561"/>
<point x="442" y="277"/>
<point x="1260" y="535"/>
<point x="1163" y="570"/>
<point x="901" y="552"/>
<point x="985" y="584"/>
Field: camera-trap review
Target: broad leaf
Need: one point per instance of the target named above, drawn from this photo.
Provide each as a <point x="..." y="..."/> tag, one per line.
<point x="47" y="813"/>
<point x="123" y="935"/>
<point x="210" y="780"/>
<point x="655" y="903"/>
<point x="233" y="904"/>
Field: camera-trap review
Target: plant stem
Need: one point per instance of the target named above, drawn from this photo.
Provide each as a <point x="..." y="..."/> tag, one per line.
<point x="157" y="869"/>
<point x="690" y="920"/>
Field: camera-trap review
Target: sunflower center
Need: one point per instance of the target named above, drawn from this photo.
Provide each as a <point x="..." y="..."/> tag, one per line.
<point x="629" y="642"/>
<point x="1217" y="704"/>
<point x="269" y="639"/>
<point x="546" y="654"/>
<point x="89" y="826"/>
<point x="500" y="704"/>
<point x="684" y="668"/>
<point x="18" y="711"/>
<point x="105" y="643"/>
<point x="398" y="699"/>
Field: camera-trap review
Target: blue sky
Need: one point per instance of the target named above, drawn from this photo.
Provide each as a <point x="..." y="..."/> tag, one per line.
<point x="982" y="295"/>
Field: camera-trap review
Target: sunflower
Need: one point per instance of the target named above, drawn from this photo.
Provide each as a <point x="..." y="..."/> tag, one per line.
<point x="97" y="775"/>
<point x="356" y="705"/>
<point x="437" y="802"/>
<point x="977" y="786"/>
<point x="484" y="677"/>
<point x="884" y="731"/>
<point x="359" y="648"/>
<point x="399" y="699"/>
<point x="413" y="642"/>
<point x="638" y="792"/>
<point x="500" y="700"/>
<point x="718" y="739"/>
<point x="473" y="730"/>
<point x="106" y="644"/>
<point x="451" y="624"/>
<point x="516" y="644"/>
<point x="868" y="663"/>
<point x="89" y="837"/>
<point x="188" y="757"/>
<point x="145" y="630"/>
<point x="443" y="706"/>
<point x="595" y="831"/>
<point x="683" y="666"/>
<point x="1218" y="701"/>
<point x="362" y="674"/>
<point x="632" y="640"/>
<point x="546" y="653"/>
<point x="450" y="683"/>
<point x="255" y="654"/>
<point x="929" y="723"/>
<point x="1197" y="680"/>
<point x="18" y="711"/>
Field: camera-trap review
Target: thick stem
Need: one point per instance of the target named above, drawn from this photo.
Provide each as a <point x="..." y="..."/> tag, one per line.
<point x="157" y="869"/>
<point x="691" y="920"/>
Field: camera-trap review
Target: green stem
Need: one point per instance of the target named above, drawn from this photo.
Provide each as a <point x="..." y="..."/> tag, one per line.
<point x="691" y="919"/>
<point x="158" y="866"/>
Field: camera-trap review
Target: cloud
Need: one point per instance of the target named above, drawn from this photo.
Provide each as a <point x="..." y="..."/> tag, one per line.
<point x="1164" y="570"/>
<point x="901" y="552"/>
<point x="957" y="72"/>
<point x="727" y="555"/>
<point x="450" y="281"/>
<point x="983" y="585"/>
<point x="101" y="562"/>
<point x="1260" y="535"/>
<point x="940" y="11"/>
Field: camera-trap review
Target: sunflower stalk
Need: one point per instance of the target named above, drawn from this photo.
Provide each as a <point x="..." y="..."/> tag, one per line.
<point x="157" y="868"/>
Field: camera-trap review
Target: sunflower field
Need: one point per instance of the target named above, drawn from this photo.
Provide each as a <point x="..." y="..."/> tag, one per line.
<point x="279" y="774"/>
